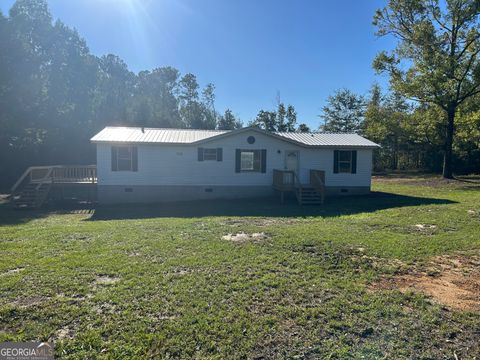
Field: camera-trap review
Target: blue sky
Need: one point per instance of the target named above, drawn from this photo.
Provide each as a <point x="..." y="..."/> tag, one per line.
<point x="251" y="50"/>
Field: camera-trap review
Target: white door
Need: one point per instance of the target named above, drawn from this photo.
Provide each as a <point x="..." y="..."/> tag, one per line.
<point x="291" y="163"/>
<point x="291" y="160"/>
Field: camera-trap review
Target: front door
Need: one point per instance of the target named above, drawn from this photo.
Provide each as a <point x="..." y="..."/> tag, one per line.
<point x="291" y="160"/>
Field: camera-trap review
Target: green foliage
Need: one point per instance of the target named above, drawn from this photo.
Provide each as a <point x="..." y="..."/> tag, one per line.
<point x="281" y="119"/>
<point x="228" y="121"/>
<point x="54" y="94"/>
<point x="303" y="128"/>
<point x="344" y="112"/>
<point x="436" y="59"/>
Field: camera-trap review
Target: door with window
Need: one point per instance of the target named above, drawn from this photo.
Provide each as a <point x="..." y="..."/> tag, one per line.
<point x="291" y="163"/>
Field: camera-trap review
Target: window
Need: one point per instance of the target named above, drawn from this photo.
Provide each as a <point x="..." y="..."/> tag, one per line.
<point x="345" y="161"/>
<point x="247" y="159"/>
<point x="251" y="160"/>
<point x="124" y="158"/>
<point x="210" y="154"/>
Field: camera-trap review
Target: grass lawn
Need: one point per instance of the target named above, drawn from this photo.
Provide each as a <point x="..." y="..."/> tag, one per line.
<point x="161" y="282"/>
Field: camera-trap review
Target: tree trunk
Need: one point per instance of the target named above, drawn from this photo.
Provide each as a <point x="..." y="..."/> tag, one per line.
<point x="447" y="159"/>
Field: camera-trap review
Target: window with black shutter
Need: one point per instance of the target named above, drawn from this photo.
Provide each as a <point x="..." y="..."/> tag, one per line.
<point x="345" y="161"/>
<point x="124" y="158"/>
<point x="209" y="154"/>
<point x="251" y="160"/>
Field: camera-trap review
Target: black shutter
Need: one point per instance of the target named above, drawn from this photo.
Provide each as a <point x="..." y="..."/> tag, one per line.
<point x="219" y="154"/>
<point x="354" y="161"/>
<point x="335" y="161"/>
<point x="200" y="154"/>
<point x="134" y="158"/>
<point x="114" y="158"/>
<point x="237" y="160"/>
<point x="264" y="161"/>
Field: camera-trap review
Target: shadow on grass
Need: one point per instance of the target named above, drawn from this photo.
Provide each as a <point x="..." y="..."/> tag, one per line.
<point x="270" y="207"/>
<point x="264" y="207"/>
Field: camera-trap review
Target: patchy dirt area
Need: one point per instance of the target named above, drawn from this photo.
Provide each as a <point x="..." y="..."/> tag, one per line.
<point x="453" y="281"/>
<point x="244" y="237"/>
<point x="427" y="180"/>
<point x="258" y="221"/>
<point x="12" y="271"/>
<point x="106" y="280"/>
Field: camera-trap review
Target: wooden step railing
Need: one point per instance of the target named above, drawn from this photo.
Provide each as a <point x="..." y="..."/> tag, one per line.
<point x="57" y="174"/>
<point x="288" y="180"/>
<point x="317" y="181"/>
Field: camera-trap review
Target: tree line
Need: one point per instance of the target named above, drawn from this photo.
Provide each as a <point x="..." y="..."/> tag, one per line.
<point x="55" y="94"/>
<point x="430" y="117"/>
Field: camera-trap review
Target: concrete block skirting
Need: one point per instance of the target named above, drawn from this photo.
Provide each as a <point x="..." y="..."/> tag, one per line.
<point x="114" y="194"/>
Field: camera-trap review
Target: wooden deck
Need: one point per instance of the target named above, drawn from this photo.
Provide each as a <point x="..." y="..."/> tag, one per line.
<point x="312" y="193"/>
<point x="32" y="189"/>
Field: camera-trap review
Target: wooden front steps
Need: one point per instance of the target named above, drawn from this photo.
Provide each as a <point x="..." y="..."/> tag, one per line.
<point x="31" y="196"/>
<point x="307" y="195"/>
<point x="32" y="189"/>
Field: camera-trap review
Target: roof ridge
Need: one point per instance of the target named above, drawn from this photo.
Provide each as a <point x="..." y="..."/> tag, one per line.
<point x="175" y="129"/>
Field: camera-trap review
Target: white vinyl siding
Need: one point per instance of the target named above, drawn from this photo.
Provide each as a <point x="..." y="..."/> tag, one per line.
<point x="178" y="164"/>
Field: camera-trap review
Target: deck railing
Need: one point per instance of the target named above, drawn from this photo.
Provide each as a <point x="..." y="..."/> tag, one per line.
<point x="317" y="180"/>
<point x="57" y="174"/>
<point x="285" y="180"/>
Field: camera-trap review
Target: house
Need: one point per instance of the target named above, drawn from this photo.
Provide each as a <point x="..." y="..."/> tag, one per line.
<point x="154" y="165"/>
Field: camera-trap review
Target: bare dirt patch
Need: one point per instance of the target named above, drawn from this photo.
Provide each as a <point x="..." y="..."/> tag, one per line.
<point x="242" y="237"/>
<point x="67" y="332"/>
<point x="28" y="301"/>
<point x="106" y="280"/>
<point x="13" y="271"/>
<point x="258" y="221"/>
<point x="453" y="281"/>
<point x="78" y="237"/>
<point x="428" y="180"/>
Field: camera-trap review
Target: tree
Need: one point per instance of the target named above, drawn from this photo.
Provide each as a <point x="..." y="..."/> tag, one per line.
<point x="436" y="58"/>
<point x="281" y="119"/>
<point x="344" y="112"/>
<point x="209" y="112"/>
<point x="228" y="121"/>
<point x="385" y="122"/>
<point x="266" y="120"/>
<point x="194" y="113"/>
<point x="291" y="118"/>
<point x="303" y="128"/>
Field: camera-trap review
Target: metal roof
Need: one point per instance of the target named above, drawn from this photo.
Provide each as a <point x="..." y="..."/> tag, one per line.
<point x="328" y="139"/>
<point x="191" y="136"/>
<point x="149" y="135"/>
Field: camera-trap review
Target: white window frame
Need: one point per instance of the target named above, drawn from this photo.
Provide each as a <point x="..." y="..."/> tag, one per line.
<point x="349" y="162"/>
<point x="251" y="154"/>
<point x="211" y="151"/>
<point x="125" y="158"/>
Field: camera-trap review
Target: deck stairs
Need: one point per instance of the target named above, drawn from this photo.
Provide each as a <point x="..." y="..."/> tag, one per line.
<point x="31" y="196"/>
<point x="313" y="193"/>
<point x="307" y="195"/>
<point x="32" y="189"/>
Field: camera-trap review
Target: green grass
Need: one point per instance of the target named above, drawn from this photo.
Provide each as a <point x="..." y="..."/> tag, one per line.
<point x="161" y="282"/>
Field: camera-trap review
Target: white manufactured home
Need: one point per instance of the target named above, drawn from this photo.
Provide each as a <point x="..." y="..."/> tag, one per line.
<point x="155" y="165"/>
